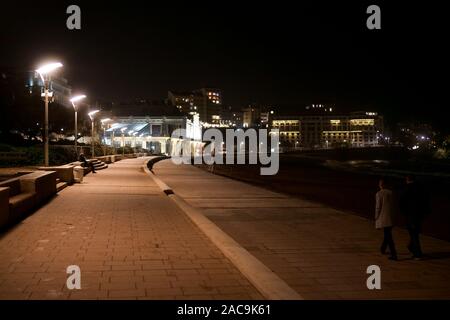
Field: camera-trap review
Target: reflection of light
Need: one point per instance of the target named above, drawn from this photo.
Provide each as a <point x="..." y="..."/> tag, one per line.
<point x="415" y="147"/>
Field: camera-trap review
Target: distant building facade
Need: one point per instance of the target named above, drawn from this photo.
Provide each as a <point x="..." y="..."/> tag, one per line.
<point x="207" y="102"/>
<point x="356" y="129"/>
<point x="257" y="116"/>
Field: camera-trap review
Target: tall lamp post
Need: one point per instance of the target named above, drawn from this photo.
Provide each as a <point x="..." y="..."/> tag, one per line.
<point x="112" y="137"/>
<point x="104" y="121"/>
<point x="73" y="101"/>
<point x="123" y="141"/>
<point x="134" y="134"/>
<point x="44" y="72"/>
<point x="130" y="133"/>
<point x="91" y="116"/>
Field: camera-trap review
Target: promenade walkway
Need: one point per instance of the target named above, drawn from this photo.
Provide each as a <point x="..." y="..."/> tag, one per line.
<point x="128" y="238"/>
<point x="320" y="252"/>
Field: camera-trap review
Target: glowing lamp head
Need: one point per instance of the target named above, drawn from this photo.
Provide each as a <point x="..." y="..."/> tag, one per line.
<point x="77" y="98"/>
<point x="48" y="68"/>
<point x="92" y="113"/>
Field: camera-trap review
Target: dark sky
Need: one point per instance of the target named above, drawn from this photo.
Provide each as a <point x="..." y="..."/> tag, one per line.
<point x="278" y="52"/>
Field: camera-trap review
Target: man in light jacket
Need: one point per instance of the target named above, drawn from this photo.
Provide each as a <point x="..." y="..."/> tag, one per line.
<point x="384" y="212"/>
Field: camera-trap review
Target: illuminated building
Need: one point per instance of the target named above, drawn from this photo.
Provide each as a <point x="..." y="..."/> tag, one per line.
<point x="358" y="129"/>
<point x="207" y="102"/>
<point x="153" y="133"/>
<point x="257" y="116"/>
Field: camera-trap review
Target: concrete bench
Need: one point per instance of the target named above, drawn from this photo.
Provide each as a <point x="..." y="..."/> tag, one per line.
<point x="105" y="159"/>
<point x="43" y="183"/>
<point x="86" y="170"/>
<point x="25" y="193"/>
<point x="63" y="173"/>
<point x="21" y="198"/>
<point x="4" y="206"/>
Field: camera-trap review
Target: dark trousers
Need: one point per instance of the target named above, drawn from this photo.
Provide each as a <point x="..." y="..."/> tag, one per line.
<point x="414" y="243"/>
<point x="89" y="164"/>
<point x="388" y="241"/>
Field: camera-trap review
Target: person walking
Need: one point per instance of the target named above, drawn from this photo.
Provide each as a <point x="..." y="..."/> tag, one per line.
<point x="415" y="205"/>
<point x="384" y="212"/>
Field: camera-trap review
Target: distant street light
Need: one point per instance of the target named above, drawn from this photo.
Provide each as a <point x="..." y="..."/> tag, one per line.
<point x="104" y="121"/>
<point x="112" y="137"/>
<point x="44" y="72"/>
<point x="123" y="140"/>
<point x="134" y="134"/>
<point x="73" y="100"/>
<point x="91" y="115"/>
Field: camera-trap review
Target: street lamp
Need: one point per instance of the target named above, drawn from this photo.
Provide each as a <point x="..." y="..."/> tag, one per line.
<point x="134" y="134"/>
<point x="112" y="138"/>
<point x="73" y="100"/>
<point x="91" y="116"/>
<point x="43" y="71"/>
<point x="123" y="141"/>
<point x="104" y="121"/>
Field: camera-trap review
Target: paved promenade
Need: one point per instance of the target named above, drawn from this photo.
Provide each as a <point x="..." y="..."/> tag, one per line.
<point x="320" y="252"/>
<point x="128" y="238"/>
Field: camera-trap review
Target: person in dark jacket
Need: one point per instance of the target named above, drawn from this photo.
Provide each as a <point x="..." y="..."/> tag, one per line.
<point x="415" y="205"/>
<point x="82" y="159"/>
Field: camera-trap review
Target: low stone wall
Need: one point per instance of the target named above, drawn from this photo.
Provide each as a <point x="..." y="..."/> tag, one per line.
<point x="4" y="206"/>
<point x="43" y="183"/>
<point x="64" y="172"/>
<point x="19" y="196"/>
<point x="105" y="159"/>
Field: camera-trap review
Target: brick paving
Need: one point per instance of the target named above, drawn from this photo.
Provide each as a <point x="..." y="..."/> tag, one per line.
<point x="129" y="240"/>
<point x="321" y="252"/>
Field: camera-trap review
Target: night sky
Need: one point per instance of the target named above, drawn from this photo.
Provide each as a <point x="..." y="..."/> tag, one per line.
<point x="277" y="53"/>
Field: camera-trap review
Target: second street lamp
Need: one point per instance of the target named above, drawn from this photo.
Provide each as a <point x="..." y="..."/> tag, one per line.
<point x="104" y="121"/>
<point x="112" y="137"/>
<point x="44" y="72"/>
<point x="134" y="134"/>
<point x="123" y="141"/>
<point x="91" y="116"/>
<point x="74" y="100"/>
